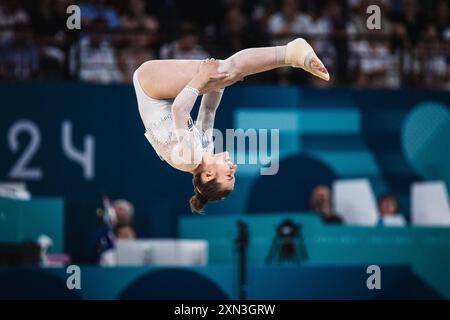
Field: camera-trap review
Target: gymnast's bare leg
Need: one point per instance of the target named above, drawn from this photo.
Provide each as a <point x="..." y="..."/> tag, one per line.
<point x="164" y="79"/>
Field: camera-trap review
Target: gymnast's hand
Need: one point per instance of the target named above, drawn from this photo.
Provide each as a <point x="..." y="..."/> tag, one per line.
<point x="207" y="75"/>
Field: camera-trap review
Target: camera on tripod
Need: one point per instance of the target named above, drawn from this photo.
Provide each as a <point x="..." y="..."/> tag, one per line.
<point x="288" y="245"/>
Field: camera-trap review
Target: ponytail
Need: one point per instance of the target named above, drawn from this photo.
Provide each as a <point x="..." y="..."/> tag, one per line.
<point x="197" y="202"/>
<point x="204" y="192"/>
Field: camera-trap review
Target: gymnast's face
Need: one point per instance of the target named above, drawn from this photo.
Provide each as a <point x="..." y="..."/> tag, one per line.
<point x="219" y="166"/>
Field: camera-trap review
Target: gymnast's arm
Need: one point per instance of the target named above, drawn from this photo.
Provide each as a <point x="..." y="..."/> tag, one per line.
<point x="185" y="100"/>
<point x="181" y="110"/>
<point x="188" y="149"/>
<point x="207" y="112"/>
<point x="188" y="146"/>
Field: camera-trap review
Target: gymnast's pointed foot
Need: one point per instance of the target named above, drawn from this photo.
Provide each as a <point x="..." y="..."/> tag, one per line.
<point x="300" y="54"/>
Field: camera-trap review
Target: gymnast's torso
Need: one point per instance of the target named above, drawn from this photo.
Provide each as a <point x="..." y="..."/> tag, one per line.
<point x="156" y="115"/>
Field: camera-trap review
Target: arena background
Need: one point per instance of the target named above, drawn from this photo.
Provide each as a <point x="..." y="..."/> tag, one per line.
<point x="70" y="129"/>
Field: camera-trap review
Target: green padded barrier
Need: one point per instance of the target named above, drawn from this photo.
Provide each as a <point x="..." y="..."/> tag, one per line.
<point x="22" y="221"/>
<point x="426" y="250"/>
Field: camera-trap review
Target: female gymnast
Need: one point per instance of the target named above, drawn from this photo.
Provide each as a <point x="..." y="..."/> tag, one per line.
<point x="166" y="91"/>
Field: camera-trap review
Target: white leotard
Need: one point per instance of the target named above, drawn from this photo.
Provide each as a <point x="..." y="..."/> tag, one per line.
<point x="180" y="143"/>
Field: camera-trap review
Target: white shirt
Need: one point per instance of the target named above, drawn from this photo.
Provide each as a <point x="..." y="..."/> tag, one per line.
<point x="98" y="64"/>
<point x="277" y="23"/>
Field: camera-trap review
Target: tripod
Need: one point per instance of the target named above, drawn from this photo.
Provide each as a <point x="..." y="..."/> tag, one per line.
<point x="288" y="245"/>
<point x="242" y="244"/>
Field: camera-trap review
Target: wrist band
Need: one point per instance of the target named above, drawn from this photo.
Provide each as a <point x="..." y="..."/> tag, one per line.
<point x="193" y="90"/>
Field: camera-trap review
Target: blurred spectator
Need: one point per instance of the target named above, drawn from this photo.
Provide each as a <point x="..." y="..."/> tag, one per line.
<point x="94" y="58"/>
<point x="208" y="15"/>
<point x="12" y="13"/>
<point x="320" y="23"/>
<point x="49" y="24"/>
<point x="19" y="59"/>
<point x="98" y="9"/>
<point x="124" y="232"/>
<point x="320" y="202"/>
<point x="389" y="210"/>
<point x="105" y="235"/>
<point x="319" y="30"/>
<point x="236" y="27"/>
<point x="138" y="44"/>
<point x="185" y="47"/>
<point x="358" y="23"/>
<point x="433" y="68"/>
<point x="411" y="19"/>
<point x="372" y="61"/>
<point x="338" y="46"/>
<point x="136" y="51"/>
<point x="262" y="11"/>
<point x="124" y="212"/>
<point x="137" y="17"/>
<point x="443" y="20"/>
<point x="388" y="205"/>
<point x="411" y="49"/>
<point x="285" y="24"/>
<point x="49" y="18"/>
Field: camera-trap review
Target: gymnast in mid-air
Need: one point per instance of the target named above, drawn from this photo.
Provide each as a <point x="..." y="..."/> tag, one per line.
<point x="166" y="92"/>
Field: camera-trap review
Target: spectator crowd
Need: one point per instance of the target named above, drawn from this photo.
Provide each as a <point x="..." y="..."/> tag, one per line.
<point x="412" y="47"/>
<point x="388" y="208"/>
